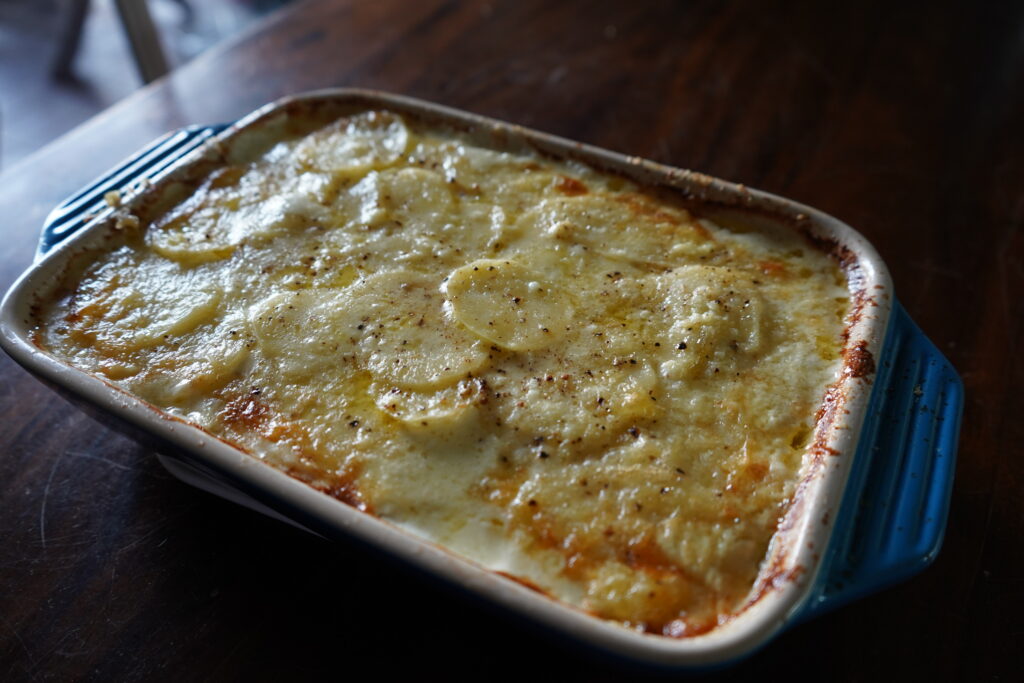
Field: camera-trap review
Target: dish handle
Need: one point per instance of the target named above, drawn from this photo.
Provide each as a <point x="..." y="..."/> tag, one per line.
<point x="150" y="163"/>
<point x="893" y="514"/>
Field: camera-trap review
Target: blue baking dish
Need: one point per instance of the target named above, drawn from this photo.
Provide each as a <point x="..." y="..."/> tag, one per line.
<point x="885" y="524"/>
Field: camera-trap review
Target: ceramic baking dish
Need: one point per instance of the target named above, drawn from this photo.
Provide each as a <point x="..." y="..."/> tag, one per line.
<point x="873" y="499"/>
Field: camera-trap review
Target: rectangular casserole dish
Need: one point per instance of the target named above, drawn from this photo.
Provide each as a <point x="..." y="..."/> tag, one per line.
<point x="871" y="505"/>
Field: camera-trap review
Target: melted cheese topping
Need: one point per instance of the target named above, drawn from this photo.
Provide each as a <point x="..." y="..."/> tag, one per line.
<point x="542" y="367"/>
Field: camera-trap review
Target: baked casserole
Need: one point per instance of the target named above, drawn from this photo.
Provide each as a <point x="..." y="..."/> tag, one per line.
<point x="564" y="376"/>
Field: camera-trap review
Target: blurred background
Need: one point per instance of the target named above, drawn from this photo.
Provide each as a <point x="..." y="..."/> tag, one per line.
<point x="63" y="61"/>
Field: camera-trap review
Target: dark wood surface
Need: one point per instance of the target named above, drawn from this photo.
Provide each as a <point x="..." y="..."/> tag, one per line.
<point x="905" y="121"/>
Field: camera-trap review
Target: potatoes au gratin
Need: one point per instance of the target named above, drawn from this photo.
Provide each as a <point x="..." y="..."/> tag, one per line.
<point x="547" y="369"/>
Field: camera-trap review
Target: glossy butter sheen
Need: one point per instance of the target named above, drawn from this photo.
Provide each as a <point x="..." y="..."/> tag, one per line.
<point x="547" y="369"/>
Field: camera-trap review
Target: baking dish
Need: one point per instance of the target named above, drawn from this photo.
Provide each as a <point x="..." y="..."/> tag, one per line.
<point x="886" y="436"/>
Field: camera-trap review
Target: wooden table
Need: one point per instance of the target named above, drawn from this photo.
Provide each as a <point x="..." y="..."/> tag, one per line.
<point x="907" y="123"/>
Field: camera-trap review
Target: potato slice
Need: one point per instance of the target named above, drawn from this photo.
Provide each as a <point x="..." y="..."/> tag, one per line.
<point x="191" y="235"/>
<point x="507" y="304"/>
<point x="407" y="337"/>
<point x="713" y="320"/>
<point x="624" y="226"/>
<point x="189" y="247"/>
<point x="304" y="332"/>
<point x="355" y="144"/>
<point x="392" y="324"/>
<point x="219" y="363"/>
<point x="409" y="198"/>
<point x="162" y="301"/>
<point x="445" y="409"/>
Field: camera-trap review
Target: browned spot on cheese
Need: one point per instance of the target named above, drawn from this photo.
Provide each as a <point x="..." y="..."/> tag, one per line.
<point x="246" y="412"/>
<point x="341" y="486"/>
<point x="645" y="206"/>
<point x="772" y="268"/>
<point x="744" y="480"/>
<point x="570" y="186"/>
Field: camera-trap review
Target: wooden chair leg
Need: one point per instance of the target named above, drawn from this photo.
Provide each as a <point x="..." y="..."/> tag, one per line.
<point x="70" y="38"/>
<point x="144" y="38"/>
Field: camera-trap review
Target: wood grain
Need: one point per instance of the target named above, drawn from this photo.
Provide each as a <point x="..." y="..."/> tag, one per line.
<point x="902" y="120"/>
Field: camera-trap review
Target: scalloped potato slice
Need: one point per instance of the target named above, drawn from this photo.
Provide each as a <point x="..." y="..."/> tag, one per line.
<point x="408" y="198"/>
<point x="508" y="304"/>
<point x="445" y="409"/>
<point x="163" y="303"/>
<point x="304" y="332"/>
<point x="392" y="324"/>
<point x="407" y="337"/>
<point x="355" y="144"/>
<point x="220" y="362"/>
<point x="628" y="226"/>
<point x="192" y="240"/>
<point x="140" y="319"/>
<point x="713" y="320"/>
<point x="415" y="194"/>
<point x="212" y="233"/>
